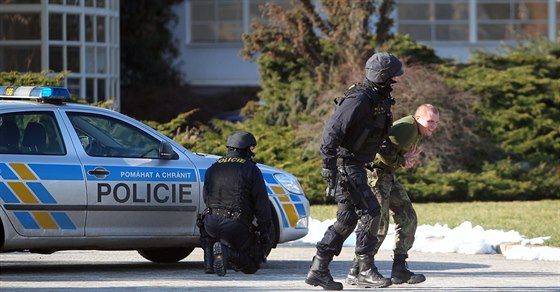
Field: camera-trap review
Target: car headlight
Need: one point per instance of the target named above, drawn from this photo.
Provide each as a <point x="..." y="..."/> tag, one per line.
<point x="302" y="223"/>
<point x="289" y="182"/>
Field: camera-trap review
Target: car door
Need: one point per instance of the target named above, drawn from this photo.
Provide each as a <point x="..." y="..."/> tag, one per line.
<point x="42" y="186"/>
<point x="130" y="189"/>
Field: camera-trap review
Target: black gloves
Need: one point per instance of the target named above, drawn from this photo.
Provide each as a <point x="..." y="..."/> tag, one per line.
<point x="388" y="148"/>
<point x="329" y="175"/>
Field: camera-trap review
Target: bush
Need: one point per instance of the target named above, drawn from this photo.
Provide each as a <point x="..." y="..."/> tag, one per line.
<point x="504" y="181"/>
<point x="31" y="79"/>
<point x="519" y="106"/>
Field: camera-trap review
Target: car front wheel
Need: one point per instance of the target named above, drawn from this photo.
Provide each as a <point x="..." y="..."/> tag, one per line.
<point x="166" y="255"/>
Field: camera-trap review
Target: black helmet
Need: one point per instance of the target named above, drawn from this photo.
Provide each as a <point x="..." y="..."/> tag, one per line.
<point x="241" y="140"/>
<point x="383" y="66"/>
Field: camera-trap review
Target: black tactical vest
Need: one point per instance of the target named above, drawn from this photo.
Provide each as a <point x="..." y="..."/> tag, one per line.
<point x="227" y="189"/>
<point x="363" y="142"/>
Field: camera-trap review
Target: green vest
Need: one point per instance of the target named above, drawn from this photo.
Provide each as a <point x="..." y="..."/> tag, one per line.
<point x="403" y="135"/>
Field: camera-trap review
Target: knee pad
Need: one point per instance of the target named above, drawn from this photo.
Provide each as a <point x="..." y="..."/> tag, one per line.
<point x="346" y="222"/>
<point x="370" y="225"/>
<point x="343" y="229"/>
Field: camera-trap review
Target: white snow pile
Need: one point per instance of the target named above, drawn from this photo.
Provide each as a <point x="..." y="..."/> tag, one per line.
<point x="464" y="239"/>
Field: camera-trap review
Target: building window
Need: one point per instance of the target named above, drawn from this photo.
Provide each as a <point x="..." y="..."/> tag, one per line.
<point x="55" y="26"/>
<point x="223" y="21"/>
<point x="100" y="89"/>
<point x="101" y="60"/>
<point x="90" y="20"/>
<point x="72" y="27"/>
<point x="100" y="29"/>
<point x="20" y="58"/>
<point x="432" y="20"/>
<point x="90" y="87"/>
<point x="73" y="85"/>
<point x="509" y="19"/>
<point x="216" y="20"/>
<point x="90" y="59"/>
<point x="20" y="26"/>
<point x="55" y="58"/>
<point x="73" y="59"/>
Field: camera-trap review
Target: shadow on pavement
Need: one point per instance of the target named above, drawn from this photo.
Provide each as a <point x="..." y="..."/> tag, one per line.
<point x="272" y="270"/>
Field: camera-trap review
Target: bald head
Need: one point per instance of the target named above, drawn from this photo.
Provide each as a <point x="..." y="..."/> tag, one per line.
<point x="423" y="109"/>
<point x="427" y="118"/>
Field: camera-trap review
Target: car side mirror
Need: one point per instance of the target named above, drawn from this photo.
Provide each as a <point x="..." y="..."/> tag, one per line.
<point x="166" y="151"/>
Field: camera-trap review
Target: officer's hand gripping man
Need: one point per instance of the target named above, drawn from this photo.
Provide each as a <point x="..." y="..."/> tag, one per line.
<point x="235" y="193"/>
<point x="351" y="138"/>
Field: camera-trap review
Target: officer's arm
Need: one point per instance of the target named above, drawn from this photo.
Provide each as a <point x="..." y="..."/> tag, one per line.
<point x="205" y="189"/>
<point x="262" y="204"/>
<point x="400" y="137"/>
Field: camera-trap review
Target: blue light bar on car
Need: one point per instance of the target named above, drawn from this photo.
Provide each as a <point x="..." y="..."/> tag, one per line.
<point x="34" y="92"/>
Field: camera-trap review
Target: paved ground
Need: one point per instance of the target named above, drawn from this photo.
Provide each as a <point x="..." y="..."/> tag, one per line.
<point x="286" y="269"/>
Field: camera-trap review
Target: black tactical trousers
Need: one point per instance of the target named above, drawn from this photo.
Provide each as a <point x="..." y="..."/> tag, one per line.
<point x="239" y="239"/>
<point x="357" y="205"/>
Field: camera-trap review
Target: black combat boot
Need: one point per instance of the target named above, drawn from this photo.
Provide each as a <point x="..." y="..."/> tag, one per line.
<point x="220" y="259"/>
<point x="369" y="277"/>
<point x="401" y="274"/>
<point x="208" y="260"/>
<point x="352" y="277"/>
<point x="319" y="274"/>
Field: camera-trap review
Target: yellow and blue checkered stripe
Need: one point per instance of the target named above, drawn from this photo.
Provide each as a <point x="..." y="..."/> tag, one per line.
<point x="21" y="185"/>
<point x="291" y="206"/>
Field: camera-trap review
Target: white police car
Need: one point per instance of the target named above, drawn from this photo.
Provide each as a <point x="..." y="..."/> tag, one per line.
<point x="82" y="177"/>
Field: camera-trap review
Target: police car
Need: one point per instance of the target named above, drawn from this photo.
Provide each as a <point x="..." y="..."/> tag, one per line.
<point x="78" y="177"/>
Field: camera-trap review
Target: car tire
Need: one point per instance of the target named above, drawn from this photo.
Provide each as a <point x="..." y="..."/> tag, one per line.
<point x="166" y="255"/>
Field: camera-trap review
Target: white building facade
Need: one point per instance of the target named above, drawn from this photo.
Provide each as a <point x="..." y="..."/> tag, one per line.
<point x="209" y="31"/>
<point x="80" y="37"/>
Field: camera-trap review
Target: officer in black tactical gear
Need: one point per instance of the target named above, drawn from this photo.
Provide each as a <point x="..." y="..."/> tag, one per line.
<point x="235" y="194"/>
<point x="352" y="137"/>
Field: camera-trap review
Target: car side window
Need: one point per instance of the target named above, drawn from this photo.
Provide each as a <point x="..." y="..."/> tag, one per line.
<point x="34" y="133"/>
<point x="103" y="136"/>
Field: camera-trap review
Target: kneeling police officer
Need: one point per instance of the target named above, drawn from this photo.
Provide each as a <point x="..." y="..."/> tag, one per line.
<point x="235" y="193"/>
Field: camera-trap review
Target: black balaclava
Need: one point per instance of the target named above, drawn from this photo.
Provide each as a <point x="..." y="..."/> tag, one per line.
<point x="384" y="88"/>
